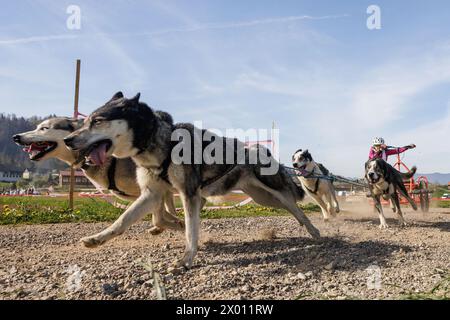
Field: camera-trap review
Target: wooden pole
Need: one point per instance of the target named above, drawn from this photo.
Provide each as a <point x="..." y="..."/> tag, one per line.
<point x="75" y="115"/>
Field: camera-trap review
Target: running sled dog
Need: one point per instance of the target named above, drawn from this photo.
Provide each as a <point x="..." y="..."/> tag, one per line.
<point x="322" y="191"/>
<point x="384" y="181"/>
<point x="167" y="157"/>
<point x="116" y="175"/>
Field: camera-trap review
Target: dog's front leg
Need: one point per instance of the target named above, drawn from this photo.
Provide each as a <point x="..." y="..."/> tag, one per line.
<point x="383" y="224"/>
<point x="192" y="206"/>
<point x="322" y="205"/>
<point x="147" y="201"/>
<point x="396" y="203"/>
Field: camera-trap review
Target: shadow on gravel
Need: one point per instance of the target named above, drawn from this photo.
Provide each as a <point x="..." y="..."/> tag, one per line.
<point x="307" y="254"/>
<point x="441" y="225"/>
<point x="393" y="222"/>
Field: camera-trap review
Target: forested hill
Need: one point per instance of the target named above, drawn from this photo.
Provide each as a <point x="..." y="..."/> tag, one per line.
<point x="11" y="155"/>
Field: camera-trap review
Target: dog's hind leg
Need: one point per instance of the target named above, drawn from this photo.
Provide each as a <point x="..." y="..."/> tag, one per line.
<point x="329" y="204"/>
<point x="168" y="219"/>
<point x="393" y="207"/>
<point x="284" y="200"/>
<point x="333" y="196"/>
<point x="148" y="201"/>
<point x="169" y="204"/>
<point x="402" y="190"/>
<point x="396" y="203"/>
<point x="383" y="224"/>
<point x="192" y="206"/>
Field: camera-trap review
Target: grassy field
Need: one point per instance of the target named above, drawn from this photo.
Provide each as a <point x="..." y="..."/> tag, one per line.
<point x="443" y="204"/>
<point x="35" y="210"/>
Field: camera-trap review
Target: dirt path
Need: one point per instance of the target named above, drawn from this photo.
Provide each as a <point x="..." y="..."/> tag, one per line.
<point x="238" y="259"/>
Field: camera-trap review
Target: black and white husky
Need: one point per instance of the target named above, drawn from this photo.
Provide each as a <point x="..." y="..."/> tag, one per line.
<point x="321" y="190"/>
<point x="385" y="181"/>
<point x="129" y="128"/>
<point x="116" y="175"/>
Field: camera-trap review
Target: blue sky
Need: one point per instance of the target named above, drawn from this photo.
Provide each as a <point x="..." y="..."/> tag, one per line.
<point x="313" y="67"/>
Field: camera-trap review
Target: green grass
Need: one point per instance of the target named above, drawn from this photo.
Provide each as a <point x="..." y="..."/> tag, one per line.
<point x="440" y="291"/>
<point x="6" y="185"/>
<point x="443" y="204"/>
<point x="439" y="191"/>
<point x="17" y="210"/>
<point x="36" y="210"/>
<point x="252" y="210"/>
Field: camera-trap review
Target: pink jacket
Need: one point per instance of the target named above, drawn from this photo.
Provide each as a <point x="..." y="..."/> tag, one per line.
<point x="383" y="154"/>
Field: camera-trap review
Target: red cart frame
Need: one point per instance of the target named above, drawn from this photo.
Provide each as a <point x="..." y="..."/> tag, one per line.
<point x="417" y="188"/>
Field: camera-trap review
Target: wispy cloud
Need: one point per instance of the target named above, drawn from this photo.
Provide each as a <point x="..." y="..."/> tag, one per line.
<point x="33" y="39"/>
<point x="387" y="88"/>
<point x="185" y="29"/>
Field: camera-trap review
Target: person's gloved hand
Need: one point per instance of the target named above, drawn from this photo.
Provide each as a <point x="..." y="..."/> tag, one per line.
<point x="411" y="146"/>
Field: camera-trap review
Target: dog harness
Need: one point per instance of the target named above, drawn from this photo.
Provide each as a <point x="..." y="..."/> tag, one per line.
<point x="165" y="176"/>
<point x="111" y="177"/>
<point x="214" y="179"/>
<point x="316" y="185"/>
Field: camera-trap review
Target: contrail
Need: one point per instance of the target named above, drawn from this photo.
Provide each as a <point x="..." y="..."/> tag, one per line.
<point x="199" y="27"/>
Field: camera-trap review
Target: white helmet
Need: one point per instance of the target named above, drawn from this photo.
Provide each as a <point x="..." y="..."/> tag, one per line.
<point x="378" y="141"/>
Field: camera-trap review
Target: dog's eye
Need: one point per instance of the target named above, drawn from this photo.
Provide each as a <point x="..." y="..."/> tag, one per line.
<point x="43" y="128"/>
<point x="96" y="122"/>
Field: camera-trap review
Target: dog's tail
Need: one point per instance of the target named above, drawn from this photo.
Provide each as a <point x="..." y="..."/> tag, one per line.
<point x="409" y="174"/>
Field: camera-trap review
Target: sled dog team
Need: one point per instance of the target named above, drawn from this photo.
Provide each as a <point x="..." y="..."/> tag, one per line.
<point x="128" y="148"/>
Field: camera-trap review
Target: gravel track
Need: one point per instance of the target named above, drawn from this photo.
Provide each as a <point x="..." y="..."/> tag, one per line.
<point x="242" y="258"/>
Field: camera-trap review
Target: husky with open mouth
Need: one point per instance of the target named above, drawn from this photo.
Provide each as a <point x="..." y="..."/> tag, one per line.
<point x="129" y="128"/>
<point x="385" y="181"/>
<point x="116" y="175"/>
<point x="322" y="191"/>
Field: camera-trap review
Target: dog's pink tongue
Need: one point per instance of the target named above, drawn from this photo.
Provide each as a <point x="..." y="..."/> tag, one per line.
<point x="98" y="155"/>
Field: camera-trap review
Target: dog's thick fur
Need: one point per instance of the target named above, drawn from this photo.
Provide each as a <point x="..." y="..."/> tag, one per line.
<point x="52" y="131"/>
<point x="322" y="191"/>
<point x="134" y="131"/>
<point x="385" y="181"/>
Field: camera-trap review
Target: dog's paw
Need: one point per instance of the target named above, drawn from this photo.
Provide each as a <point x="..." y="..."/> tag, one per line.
<point x="403" y="224"/>
<point x="176" y="270"/>
<point x="383" y="226"/>
<point x="91" y="242"/>
<point x="185" y="262"/>
<point x="181" y="225"/>
<point x="155" y="230"/>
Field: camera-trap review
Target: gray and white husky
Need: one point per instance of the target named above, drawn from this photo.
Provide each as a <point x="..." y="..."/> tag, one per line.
<point x="117" y="175"/>
<point x="129" y="128"/>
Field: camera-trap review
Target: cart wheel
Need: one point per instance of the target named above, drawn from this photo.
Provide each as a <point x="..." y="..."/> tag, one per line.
<point x="424" y="197"/>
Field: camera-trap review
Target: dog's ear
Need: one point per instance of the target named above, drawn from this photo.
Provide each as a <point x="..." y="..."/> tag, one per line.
<point x="117" y="95"/>
<point x="307" y="155"/>
<point x="76" y="123"/>
<point x="135" y="99"/>
<point x="299" y="150"/>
